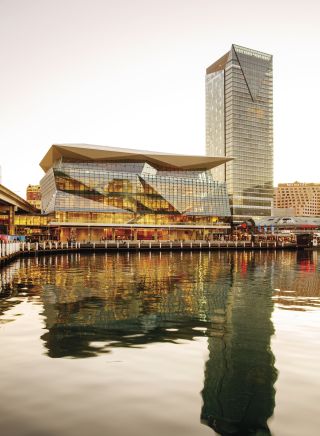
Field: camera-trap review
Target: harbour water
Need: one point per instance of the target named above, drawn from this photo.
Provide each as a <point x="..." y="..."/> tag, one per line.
<point x="140" y="344"/>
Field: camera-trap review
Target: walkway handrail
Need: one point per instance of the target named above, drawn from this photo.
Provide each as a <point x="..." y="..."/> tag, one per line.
<point x="10" y="249"/>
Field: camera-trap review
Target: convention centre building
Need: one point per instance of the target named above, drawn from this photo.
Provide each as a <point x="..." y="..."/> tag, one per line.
<point x="94" y="193"/>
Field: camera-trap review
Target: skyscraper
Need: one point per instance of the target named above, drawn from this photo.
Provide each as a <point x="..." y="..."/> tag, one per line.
<point x="239" y="124"/>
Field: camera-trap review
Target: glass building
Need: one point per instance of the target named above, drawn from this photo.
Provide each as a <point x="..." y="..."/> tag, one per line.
<point x="239" y="124"/>
<point x="94" y="192"/>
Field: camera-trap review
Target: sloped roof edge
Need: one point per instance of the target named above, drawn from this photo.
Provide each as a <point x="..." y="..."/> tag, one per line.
<point x="98" y="153"/>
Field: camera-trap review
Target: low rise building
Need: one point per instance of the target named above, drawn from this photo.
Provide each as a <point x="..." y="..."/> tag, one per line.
<point x="304" y="198"/>
<point x="33" y="195"/>
<point x="283" y="212"/>
<point x="98" y="193"/>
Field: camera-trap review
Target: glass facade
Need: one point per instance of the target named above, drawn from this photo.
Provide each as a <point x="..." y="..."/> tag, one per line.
<point x="239" y="124"/>
<point x="131" y="193"/>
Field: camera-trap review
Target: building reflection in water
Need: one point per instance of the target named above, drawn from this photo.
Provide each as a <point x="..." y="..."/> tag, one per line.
<point x="93" y="303"/>
<point x="238" y="394"/>
<point x="7" y="275"/>
<point x="297" y="288"/>
<point x="125" y="301"/>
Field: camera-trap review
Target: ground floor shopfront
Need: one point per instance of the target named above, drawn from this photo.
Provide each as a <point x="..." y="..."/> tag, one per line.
<point x="135" y="233"/>
<point x="37" y="228"/>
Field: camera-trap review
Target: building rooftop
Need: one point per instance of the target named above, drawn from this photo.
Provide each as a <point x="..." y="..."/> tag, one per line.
<point x="98" y="153"/>
<point x="221" y="63"/>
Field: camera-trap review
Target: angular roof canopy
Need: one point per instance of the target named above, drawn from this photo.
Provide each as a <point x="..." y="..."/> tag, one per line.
<point x="98" y="153"/>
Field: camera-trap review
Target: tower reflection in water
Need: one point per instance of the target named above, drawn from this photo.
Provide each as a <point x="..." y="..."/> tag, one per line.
<point x="238" y="394"/>
<point x="92" y="304"/>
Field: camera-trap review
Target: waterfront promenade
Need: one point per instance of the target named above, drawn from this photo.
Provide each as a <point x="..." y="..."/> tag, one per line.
<point x="12" y="250"/>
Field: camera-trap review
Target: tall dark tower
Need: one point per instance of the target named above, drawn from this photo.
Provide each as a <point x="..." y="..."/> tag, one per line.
<point x="239" y="124"/>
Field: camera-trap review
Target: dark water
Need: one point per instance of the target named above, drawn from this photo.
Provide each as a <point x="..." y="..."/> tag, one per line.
<point x="161" y="343"/>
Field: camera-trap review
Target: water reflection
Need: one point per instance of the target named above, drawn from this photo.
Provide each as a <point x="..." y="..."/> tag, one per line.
<point x="92" y="304"/>
<point x="8" y="289"/>
<point x="152" y="299"/>
<point x="238" y="394"/>
<point x="298" y="285"/>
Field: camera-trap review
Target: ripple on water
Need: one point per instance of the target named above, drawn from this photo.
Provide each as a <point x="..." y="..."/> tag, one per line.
<point x="160" y="343"/>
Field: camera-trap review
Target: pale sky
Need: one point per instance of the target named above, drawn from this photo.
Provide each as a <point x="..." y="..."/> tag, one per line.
<point x="131" y="73"/>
